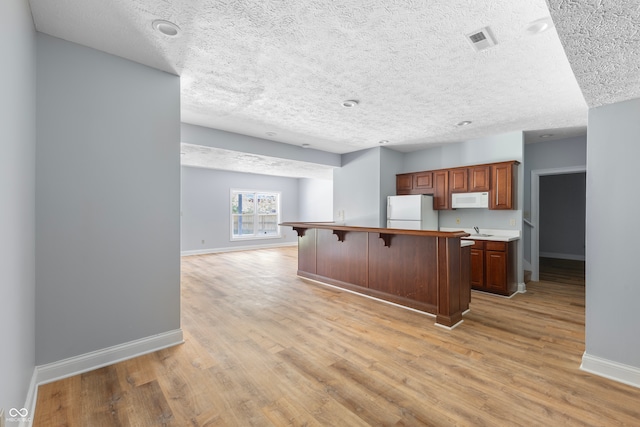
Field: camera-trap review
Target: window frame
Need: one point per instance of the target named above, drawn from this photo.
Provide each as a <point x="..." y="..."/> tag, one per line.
<point x="254" y="236"/>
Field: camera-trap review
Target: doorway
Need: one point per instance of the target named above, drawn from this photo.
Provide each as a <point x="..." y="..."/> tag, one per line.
<point x="535" y="215"/>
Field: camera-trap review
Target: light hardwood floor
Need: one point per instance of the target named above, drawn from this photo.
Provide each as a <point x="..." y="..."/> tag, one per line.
<point x="265" y="348"/>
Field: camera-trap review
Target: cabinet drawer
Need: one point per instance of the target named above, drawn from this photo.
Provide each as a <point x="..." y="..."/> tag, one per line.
<point x="496" y="246"/>
<point x="477" y="244"/>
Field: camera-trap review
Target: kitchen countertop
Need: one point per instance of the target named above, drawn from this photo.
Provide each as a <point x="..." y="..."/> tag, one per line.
<point x="490" y="234"/>
<point x="337" y="226"/>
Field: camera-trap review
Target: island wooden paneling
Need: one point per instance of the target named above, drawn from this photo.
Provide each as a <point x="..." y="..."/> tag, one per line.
<point x="307" y="252"/>
<point x="406" y="268"/>
<point x="344" y="261"/>
<point x="449" y="282"/>
<point x="415" y="268"/>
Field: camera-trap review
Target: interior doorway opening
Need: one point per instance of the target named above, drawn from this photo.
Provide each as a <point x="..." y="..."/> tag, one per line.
<point x="535" y="212"/>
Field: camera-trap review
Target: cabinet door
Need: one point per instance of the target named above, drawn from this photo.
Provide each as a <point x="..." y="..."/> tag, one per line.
<point x="496" y="271"/>
<point x="477" y="268"/>
<point x="404" y="183"/>
<point x="479" y="178"/>
<point x="423" y="181"/>
<point x="441" y="199"/>
<point x="458" y="180"/>
<point x="501" y="196"/>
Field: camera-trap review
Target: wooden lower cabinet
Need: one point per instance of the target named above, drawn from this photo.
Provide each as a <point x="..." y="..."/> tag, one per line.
<point x="493" y="267"/>
<point x="495" y="271"/>
<point x="477" y="265"/>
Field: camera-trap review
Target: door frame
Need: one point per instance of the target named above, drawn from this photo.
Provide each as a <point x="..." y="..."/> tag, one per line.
<point x="535" y="211"/>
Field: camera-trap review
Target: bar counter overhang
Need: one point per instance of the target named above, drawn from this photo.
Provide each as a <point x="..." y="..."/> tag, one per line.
<point x="424" y="270"/>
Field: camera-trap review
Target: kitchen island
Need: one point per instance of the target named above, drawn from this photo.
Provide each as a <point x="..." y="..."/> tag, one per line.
<point x="424" y="270"/>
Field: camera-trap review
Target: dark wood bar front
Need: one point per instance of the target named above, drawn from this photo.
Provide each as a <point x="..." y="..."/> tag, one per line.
<point x="423" y="270"/>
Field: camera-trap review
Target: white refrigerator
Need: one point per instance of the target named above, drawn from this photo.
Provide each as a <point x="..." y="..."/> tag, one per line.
<point x="412" y="212"/>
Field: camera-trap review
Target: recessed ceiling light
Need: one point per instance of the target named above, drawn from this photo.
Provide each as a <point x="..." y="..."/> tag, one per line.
<point x="546" y="135"/>
<point x="306" y="145"/>
<point x="384" y="141"/>
<point x="165" y="27"/>
<point x="464" y="123"/>
<point x="271" y="133"/>
<point x="350" y="103"/>
<point x="539" y="26"/>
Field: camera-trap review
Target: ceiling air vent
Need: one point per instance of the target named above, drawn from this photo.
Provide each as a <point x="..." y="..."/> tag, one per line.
<point x="481" y="39"/>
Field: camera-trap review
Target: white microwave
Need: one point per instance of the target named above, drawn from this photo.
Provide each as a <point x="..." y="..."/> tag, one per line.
<point x="470" y="200"/>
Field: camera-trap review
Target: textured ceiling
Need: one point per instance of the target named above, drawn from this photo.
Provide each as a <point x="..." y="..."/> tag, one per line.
<point x="285" y="66"/>
<point x="218" y="158"/>
<point x="602" y="41"/>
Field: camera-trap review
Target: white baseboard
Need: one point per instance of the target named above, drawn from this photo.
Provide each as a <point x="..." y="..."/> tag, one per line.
<point x="625" y="374"/>
<point x="236" y="248"/>
<point x="50" y="372"/>
<point x="522" y="288"/>
<point x="562" y="256"/>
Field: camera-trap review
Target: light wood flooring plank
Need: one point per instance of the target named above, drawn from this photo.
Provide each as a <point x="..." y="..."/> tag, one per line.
<point x="266" y="348"/>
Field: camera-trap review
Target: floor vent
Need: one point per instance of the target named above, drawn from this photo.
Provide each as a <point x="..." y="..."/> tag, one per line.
<point x="481" y="39"/>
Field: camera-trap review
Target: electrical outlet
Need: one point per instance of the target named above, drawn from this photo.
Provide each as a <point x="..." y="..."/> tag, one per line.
<point x="457" y="220"/>
<point x="512" y="222"/>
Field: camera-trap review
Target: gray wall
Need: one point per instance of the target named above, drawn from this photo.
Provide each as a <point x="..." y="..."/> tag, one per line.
<point x="107" y="196"/>
<point x="356" y="189"/>
<point x="315" y="200"/>
<point x="206" y="212"/>
<point x="17" y="197"/>
<point x="612" y="290"/>
<point x="562" y="216"/>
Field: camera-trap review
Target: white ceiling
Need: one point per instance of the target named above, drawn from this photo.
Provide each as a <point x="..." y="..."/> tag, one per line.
<point x="285" y="66"/>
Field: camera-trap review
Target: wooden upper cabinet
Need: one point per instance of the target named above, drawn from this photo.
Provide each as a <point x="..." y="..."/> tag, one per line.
<point x="502" y="185"/>
<point x="479" y="178"/>
<point x="423" y="181"/>
<point x="499" y="179"/>
<point x="459" y="180"/>
<point x="441" y="195"/>
<point x="404" y="183"/>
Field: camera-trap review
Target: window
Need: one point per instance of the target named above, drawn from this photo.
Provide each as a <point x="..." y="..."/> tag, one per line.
<point x="254" y="214"/>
